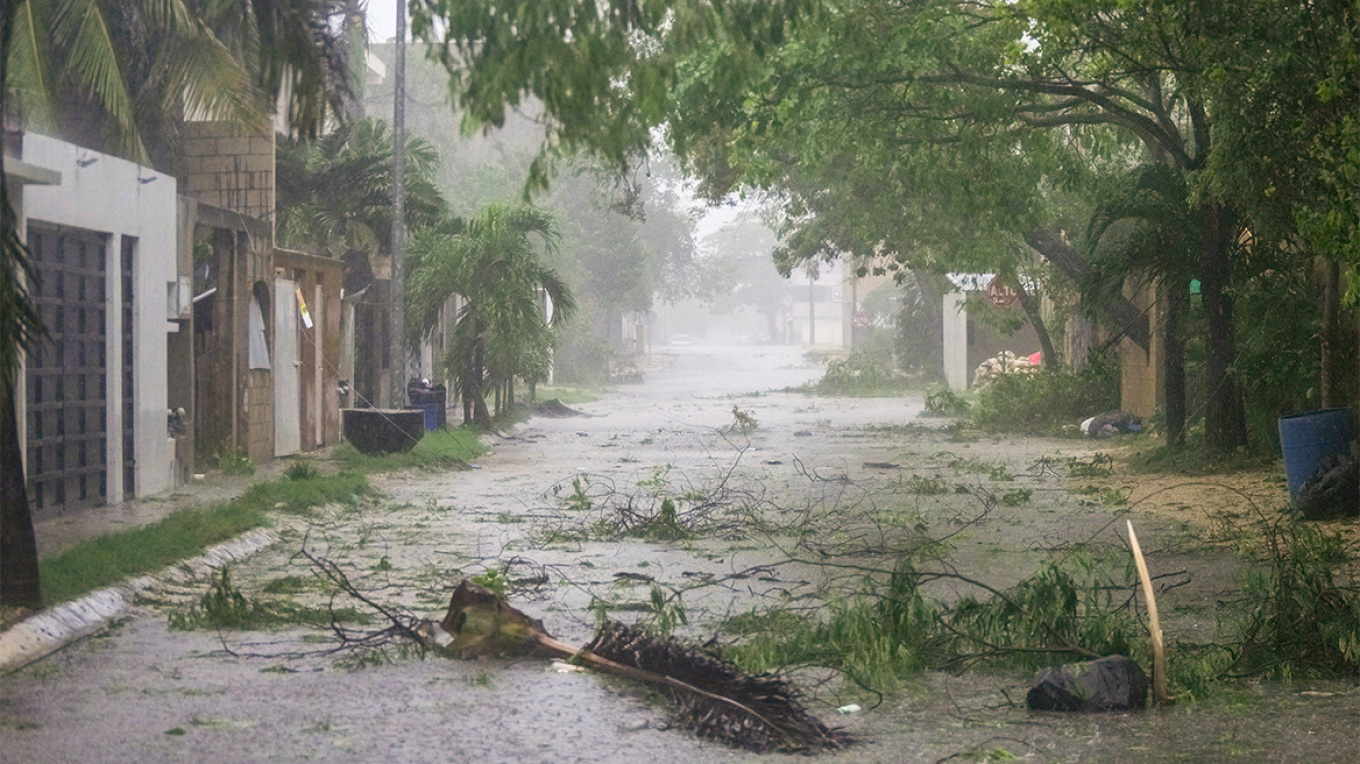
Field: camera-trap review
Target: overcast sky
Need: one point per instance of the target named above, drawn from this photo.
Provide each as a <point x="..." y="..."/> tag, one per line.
<point x="382" y="20"/>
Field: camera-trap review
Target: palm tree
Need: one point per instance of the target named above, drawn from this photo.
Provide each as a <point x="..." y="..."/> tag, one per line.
<point x="113" y="76"/>
<point x="502" y="333"/>
<point x="334" y="192"/>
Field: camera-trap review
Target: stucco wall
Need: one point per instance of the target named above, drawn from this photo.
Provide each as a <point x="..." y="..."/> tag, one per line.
<point x="113" y="196"/>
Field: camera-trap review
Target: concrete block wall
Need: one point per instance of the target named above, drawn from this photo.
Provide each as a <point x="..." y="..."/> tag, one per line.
<point x="230" y="167"/>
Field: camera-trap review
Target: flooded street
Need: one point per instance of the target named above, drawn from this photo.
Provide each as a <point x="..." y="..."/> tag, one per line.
<point x="809" y="476"/>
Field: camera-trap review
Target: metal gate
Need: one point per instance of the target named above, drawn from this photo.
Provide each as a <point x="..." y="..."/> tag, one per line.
<point x="67" y="372"/>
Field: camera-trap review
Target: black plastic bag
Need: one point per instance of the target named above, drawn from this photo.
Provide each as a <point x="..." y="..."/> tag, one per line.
<point x="1112" y="683"/>
<point x="1333" y="490"/>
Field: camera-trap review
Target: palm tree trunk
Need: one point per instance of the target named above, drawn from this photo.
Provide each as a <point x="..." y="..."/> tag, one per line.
<point x="19" y="584"/>
<point x="480" y="415"/>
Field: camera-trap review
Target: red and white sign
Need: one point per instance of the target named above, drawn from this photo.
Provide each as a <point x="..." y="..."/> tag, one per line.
<point x="1001" y="294"/>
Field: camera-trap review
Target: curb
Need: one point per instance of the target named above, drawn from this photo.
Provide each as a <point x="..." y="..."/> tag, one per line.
<point x="44" y="633"/>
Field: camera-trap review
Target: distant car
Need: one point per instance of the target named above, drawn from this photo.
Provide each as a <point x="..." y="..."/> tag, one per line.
<point x="681" y="339"/>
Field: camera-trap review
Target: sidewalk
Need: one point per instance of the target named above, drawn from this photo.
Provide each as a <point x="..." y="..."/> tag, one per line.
<point x="56" y="626"/>
<point x="57" y="533"/>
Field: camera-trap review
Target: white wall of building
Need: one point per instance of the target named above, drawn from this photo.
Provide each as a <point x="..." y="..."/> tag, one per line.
<point x="116" y="197"/>
<point x="955" y="331"/>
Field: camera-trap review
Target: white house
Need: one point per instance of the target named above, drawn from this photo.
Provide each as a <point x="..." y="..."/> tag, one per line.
<point x="94" y="401"/>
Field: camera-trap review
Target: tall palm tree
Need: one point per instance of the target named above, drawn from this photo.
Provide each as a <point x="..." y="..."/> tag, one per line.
<point x="502" y="333"/>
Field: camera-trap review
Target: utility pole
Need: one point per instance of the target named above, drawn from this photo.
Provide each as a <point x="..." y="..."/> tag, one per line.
<point x="398" y="286"/>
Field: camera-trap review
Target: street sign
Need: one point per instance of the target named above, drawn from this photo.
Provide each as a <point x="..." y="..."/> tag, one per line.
<point x="1001" y="294"/>
<point x="860" y="319"/>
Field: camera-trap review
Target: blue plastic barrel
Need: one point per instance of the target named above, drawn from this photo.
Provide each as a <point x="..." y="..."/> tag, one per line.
<point x="431" y="416"/>
<point x="1307" y="439"/>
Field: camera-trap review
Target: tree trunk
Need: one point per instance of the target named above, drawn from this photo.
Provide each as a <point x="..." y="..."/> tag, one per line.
<point x="1329" y="381"/>
<point x="1120" y="314"/>
<point x="1225" y="425"/>
<point x="18" y="549"/>
<point x="1173" y="362"/>
<point x="480" y="415"/>
<point x="1030" y="304"/>
<point x="19" y="583"/>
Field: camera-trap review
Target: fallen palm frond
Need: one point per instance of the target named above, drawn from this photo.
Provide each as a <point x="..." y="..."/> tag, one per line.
<point x="714" y="698"/>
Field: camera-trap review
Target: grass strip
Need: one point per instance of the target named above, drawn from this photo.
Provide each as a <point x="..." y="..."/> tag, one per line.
<point x="440" y="449"/>
<point x="105" y="560"/>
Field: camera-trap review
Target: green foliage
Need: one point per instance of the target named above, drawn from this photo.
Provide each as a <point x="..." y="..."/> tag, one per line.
<point x="1015" y="498"/>
<point x="892" y="630"/>
<point x="743" y="422"/>
<point x="501" y="332"/>
<point x="860" y="374"/>
<point x="492" y="580"/>
<point x="925" y="486"/>
<point x="1302" y="613"/>
<point x="665" y="526"/>
<point x="1045" y="401"/>
<point x="233" y="461"/>
<point x="224" y="606"/>
<point x="438" y="450"/>
<point x="1099" y="465"/>
<point x="335" y="192"/>
<point x="578" y="500"/>
<point x="941" y="401"/>
<point x="301" y="470"/>
<point x="583" y="356"/>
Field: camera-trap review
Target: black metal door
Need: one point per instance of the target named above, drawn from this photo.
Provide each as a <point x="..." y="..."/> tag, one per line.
<point x="67" y="382"/>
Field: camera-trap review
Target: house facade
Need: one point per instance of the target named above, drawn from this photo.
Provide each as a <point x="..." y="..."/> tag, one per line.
<point x="176" y="333"/>
<point x="103" y="235"/>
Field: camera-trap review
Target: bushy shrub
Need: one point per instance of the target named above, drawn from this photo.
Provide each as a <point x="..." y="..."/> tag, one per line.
<point x="1042" y="403"/>
<point x="860" y="374"/>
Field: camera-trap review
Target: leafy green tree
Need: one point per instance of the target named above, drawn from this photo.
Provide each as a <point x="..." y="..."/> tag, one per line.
<point x="772" y="93"/>
<point x="501" y="333"/>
